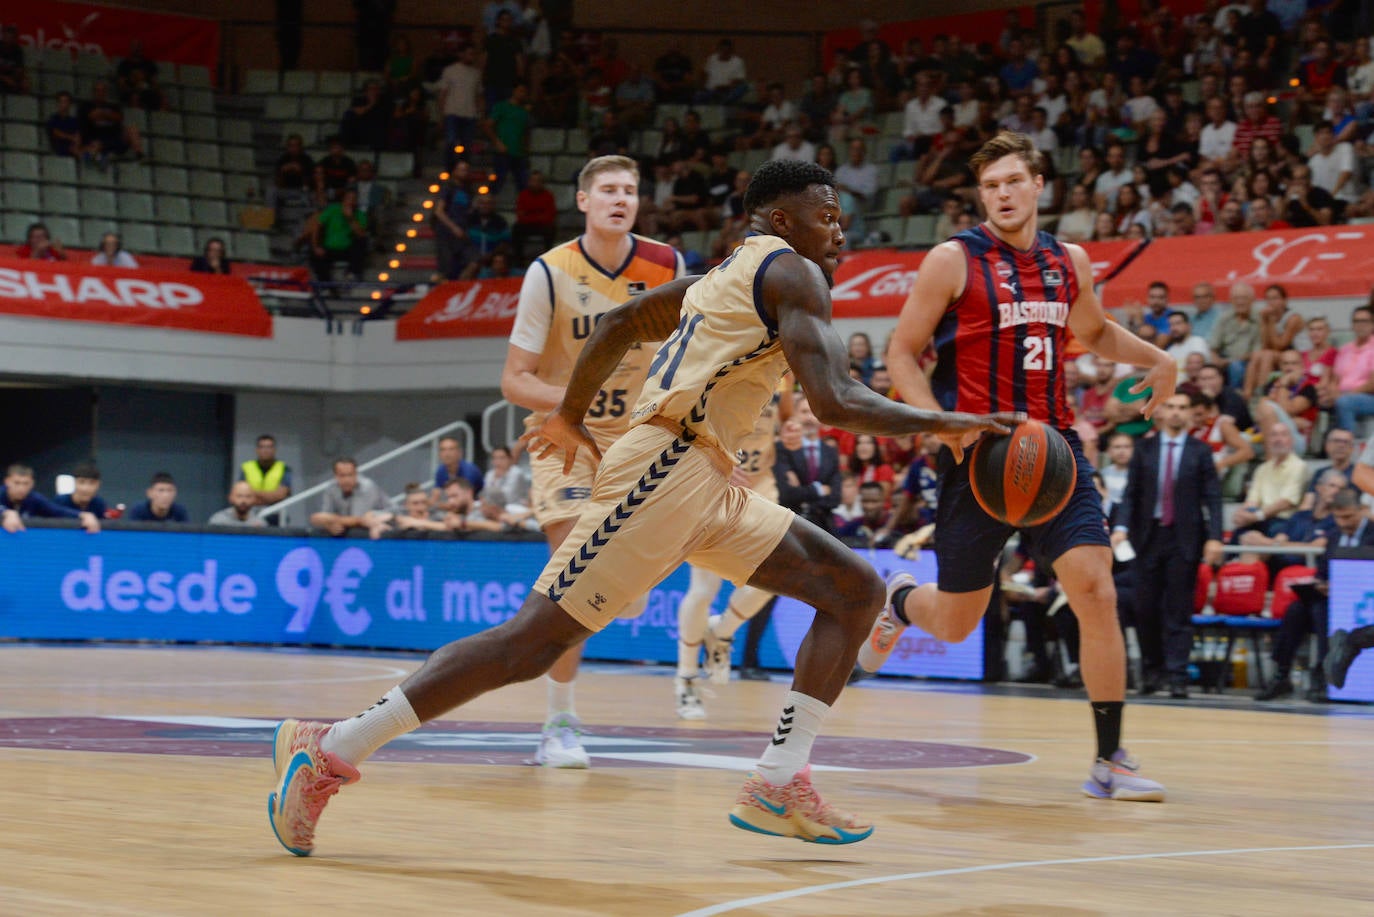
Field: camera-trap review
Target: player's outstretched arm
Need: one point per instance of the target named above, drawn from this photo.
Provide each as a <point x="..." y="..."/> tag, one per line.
<point x="1107" y="339"/>
<point x="795" y="292"/>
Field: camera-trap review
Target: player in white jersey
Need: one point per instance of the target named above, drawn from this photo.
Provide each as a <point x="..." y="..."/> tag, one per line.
<point x="697" y="629"/>
<point x="663" y="496"/>
<point x="565" y="293"/>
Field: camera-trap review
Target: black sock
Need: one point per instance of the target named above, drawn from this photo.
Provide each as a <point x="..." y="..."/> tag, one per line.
<point x="1107" y="721"/>
<point x="899" y="604"/>
<point x="1362" y="637"/>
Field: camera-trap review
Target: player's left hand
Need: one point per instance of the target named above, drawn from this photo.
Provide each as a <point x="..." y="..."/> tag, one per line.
<point x="1161" y="380"/>
<point x="558" y="433"/>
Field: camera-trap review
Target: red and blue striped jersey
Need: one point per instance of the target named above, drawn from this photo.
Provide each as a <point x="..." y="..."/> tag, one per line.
<point x="1000" y="345"/>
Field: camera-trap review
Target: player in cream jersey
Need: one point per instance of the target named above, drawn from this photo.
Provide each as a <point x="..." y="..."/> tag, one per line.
<point x="662" y="496"/>
<point x="697" y="628"/>
<point x="565" y="293"/>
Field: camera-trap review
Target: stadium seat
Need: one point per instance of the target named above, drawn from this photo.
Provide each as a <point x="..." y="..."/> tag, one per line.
<point x="53" y="83"/>
<point x="139" y="238"/>
<point x="67" y="230"/>
<point x="92" y="65"/>
<point x="712" y="117"/>
<point x="395" y="165"/>
<point x="21" y="195"/>
<point x="336" y="83"/>
<point x="920" y="230"/>
<point x="1284" y="595"/>
<point x="172" y="208"/>
<point x="177" y="240"/>
<point x="168" y="151"/>
<point x="209" y="213"/>
<point x="577" y="142"/>
<point x="240" y="187"/>
<point x="298" y="82"/>
<point x="193" y="75"/>
<point x="21" y="108"/>
<point x="16" y="223"/>
<point x="755" y="158"/>
<point x="54" y="59"/>
<point x="567" y="167"/>
<point x="1240" y="588"/>
<point x="130" y="176"/>
<point x="310" y="133"/>
<point x="61" y="199"/>
<point x="166" y="124"/>
<point x="20" y="166"/>
<point x="171" y="180"/>
<point x="59" y="169"/>
<point x="564" y="196"/>
<point x="894" y="227"/>
<point x="208" y="183"/>
<point x="673" y="110"/>
<point x="546" y="140"/>
<point x="236" y="131"/>
<point x="93" y="228"/>
<point x="282" y="108"/>
<point x="137" y="117"/>
<point x="251" y="246"/>
<point x="260" y="82"/>
<point x="100" y="203"/>
<point x="238" y="159"/>
<point x="17" y="136"/>
<point x="203" y="155"/>
<point x="136" y="206"/>
<point x="201" y="127"/>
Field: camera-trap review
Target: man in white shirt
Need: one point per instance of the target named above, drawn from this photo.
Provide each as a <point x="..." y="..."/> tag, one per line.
<point x="857" y="182"/>
<point x="724" y="74"/>
<point x="795" y="147"/>
<point x="1052" y="99"/>
<point x="460" y="89"/>
<point x="920" y="120"/>
<point x="1218" y="135"/>
<point x="776" y="115"/>
<point x="1182" y="341"/>
<point x="1046" y="140"/>
<point x="1333" y="164"/>
<point x="1111" y="181"/>
<point x="1141" y="105"/>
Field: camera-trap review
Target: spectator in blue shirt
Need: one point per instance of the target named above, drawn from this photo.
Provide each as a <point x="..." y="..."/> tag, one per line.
<point x="1019" y="72"/>
<point x="84" y="499"/>
<point x="161" y="505"/>
<point x="18" y="501"/>
<point x="453" y="465"/>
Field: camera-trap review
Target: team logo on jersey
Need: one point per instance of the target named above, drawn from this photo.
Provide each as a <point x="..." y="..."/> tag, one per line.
<point x="636" y="287"/>
<point x="1003" y="270"/>
<point x="1053" y="278"/>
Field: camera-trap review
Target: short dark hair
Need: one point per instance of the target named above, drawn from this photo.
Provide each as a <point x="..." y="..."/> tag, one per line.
<point x="779" y="177"/>
<point x="870" y="485"/>
<point x="18" y="470"/>
<point x="343" y="460"/>
<point x="266" y="436"/>
<point x="1181" y="314"/>
<point x="1283" y="291"/>
<point x="162" y="477"/>
<point x="1200" y="399"/>
<point x="1008" y="143"/>
<point x="1159" y="284"/>
<point x="87" y="470"/>
<point x="1349" y="498"/>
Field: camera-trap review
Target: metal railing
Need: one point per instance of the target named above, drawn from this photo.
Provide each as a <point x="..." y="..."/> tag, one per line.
<point x="459" y="428"/>
<point x="511" y="421"/>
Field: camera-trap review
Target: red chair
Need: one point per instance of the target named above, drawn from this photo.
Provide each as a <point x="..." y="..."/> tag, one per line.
<point x="1204" y="586"/>
<point x="1241" y="588"/>
<point x="1283" y="592"/>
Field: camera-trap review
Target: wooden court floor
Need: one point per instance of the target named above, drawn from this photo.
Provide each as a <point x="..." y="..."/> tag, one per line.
<point x="135" y="779"/>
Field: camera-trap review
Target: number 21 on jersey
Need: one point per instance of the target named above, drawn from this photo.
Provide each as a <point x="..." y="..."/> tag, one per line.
<point x="1039" y="353"/>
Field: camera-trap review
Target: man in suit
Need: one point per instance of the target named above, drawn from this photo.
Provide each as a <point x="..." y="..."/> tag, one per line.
<point x="1309" y="613"/>
<point x="809" y="476"/>
<point x="1171" y="511"/>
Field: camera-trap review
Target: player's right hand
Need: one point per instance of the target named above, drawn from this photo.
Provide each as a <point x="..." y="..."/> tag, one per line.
<point x="959" y="430"/>
<point x="558" y="433"/>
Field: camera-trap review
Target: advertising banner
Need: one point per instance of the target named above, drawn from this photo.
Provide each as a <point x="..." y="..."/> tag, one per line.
<point x="463" y="309"/>
<point x="1351" y="605"/>
<point x="161" y="299"/>
<point x="401" y="594"/>
<point x="84" y="28"/>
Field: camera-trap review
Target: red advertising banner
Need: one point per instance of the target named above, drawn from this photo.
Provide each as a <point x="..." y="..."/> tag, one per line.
<point x="875" y="283"/>
<point x="971" y="28"/>
<point x="1316" y="262"/>
<point x="160" y="299"/>
<point x="264" y="275"/>
<point x="463" y="309"/>
<point x="84" y="28"/>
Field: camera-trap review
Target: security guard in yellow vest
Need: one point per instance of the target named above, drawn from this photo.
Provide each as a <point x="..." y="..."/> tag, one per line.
<point x="267" y="475"/>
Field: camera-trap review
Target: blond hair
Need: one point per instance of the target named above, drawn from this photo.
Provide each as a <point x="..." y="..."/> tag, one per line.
<point x="600" y="164"/>
<point x="1008" y="143"/>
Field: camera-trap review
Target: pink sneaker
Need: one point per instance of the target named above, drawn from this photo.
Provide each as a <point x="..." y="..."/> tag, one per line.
<point x="306" y="777"/>
<point x="882" y="640"/>
<point x="794" y="810"/>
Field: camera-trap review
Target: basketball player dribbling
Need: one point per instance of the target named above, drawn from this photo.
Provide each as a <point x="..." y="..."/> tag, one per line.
<point x="564" y="294"/>
<point x="999" y="299"/>
<point x="662" y="496"/>
<point x="699" y="630"/>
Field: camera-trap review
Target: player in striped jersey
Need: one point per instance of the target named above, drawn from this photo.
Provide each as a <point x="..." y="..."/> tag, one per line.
<point x="999" y="299"/>
<point x="564" y="295"/>
<point x="697" y="628"/>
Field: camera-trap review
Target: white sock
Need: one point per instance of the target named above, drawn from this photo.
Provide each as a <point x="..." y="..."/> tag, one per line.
<point x="688" y="659"/>
<point x="745" y="602"/>
<point x="560" y="698"/>
<point x="790" y="748"/>
<point x="357" y="738"/>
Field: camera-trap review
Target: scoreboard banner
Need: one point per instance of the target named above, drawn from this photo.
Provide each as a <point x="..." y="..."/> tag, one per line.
<point x="390" y="594"/>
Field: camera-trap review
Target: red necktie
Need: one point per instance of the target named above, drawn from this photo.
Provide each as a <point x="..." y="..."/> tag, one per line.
<point x="813" y="463"/>
<point x="1166" y="512"/>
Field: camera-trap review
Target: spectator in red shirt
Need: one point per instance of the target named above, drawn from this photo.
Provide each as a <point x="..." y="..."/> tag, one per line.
<point x="39" y="245"/>
<point x="536" y="214"/>
<point x="1258" y="122"/>
<point x="1319" y="72"/>
<point x="868" y="465"/>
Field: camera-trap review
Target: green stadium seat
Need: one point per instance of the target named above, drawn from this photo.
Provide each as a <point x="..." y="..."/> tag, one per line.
<point x="16" y="224"/>
<point x="203" y="128"/>
<point x="298" y="82"/>
<point x="93" y="228"/>
<point x="211" y="214"/>
<point x="177" y="240"/>
<point x="208" y="183"/>
<point x="712" y="118"/>
<point x="169" y="151"/>
<point x="54" y="60"/>
<point x="137" y="117"/>
<point x="92" y="177"/>
<point x="21" y="195"/>
<point x="577" y="142"/>
<point x="20" y="166"/>
<point x="310" y="133"/>
<point x="755" y="158"/>
<point x="648" y="142"/>
<point x="53" y="83"/>
<point x="251" y="246"/>
<point x="67" y="230"/>
<point x="920" y="229"/>
<point x="140" y="239"/>
<point x="17" y="136"/>
<point x="336" y="83"/>
<point x="564" y="196"/>
<point x="282" y="108"/>
<point x="92" y="65"/>
<point x="669" y="110"/>
<point x="238" y="159"/>
<point x="395" y="165"/>
<point x="59" y="169"/>
<point x="233" y="130"/>
<point x="893" y="226"/>
<point x="136" y="206"/>
<point x="546" y="140"/>
<point x="171" y="180"/>
<point x="567" y="167"/>
<point x="61" y="199"/>
<point x="172" y="208"/>
<point x="134" y="176"/>
<point x="166" y="124"/>
<point x="240" y="187"/>
<point x="260" y="83"/>
<point x="193" y="75"/>
<point x="203" y="155"/>
<point x="21" y="108"/>
<point x="99" y="203"/>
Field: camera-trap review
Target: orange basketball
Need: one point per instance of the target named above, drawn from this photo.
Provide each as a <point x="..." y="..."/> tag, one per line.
<point x="1025" y="477"/>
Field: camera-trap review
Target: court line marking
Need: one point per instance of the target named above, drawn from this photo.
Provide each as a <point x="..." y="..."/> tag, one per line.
<point x="773" y="897"/>
<point x="379" y="672"/>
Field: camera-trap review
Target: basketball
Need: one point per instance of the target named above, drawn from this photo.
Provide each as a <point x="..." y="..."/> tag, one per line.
<point x="1025" y="477"/>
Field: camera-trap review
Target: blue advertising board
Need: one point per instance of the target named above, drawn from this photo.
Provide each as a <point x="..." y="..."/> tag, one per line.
<point x="396" y="594"/>
<point x="1351" y="605"/>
